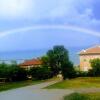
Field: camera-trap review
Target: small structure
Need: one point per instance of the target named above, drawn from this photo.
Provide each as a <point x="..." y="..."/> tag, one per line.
<point x="31" y="63"/>
<point x="87" y="55"/>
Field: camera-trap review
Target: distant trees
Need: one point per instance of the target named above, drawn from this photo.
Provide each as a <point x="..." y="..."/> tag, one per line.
<point x="58" y="60"/>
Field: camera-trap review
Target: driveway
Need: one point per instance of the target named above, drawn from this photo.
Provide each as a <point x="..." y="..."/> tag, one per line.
<point x="35" y="92"/>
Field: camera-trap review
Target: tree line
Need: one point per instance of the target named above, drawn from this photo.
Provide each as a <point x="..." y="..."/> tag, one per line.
<point x="56" y="61"/>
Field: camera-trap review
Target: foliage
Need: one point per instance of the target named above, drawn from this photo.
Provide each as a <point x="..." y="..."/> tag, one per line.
<point x="95" y="71"/>
<point x="81" y="74"/>
<point x="41" y="73"/>
<point x="68" y="70"/>
<point x="58" y="60"/>
<point x="76" y="96"/>
<point x="56" y="57"/>
<point x="12" y="72"/>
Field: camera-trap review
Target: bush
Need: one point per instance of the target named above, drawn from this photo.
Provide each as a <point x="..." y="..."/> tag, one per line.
<point x="17" y="74"/>
<point x="82" y="74"/>
<point x="95" y="71"/>
<point x="76" y="96"/>
<point x="12" y="72"/>
<point x="68" y="70"/>
<point x="40" y="73"/>
<point x="3" y="70"/>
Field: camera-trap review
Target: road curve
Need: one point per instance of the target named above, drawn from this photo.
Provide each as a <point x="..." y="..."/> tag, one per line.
<point x="35" y="92"/>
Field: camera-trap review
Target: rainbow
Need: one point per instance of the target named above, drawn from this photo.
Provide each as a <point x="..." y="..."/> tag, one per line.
<point x="40" y="27"/>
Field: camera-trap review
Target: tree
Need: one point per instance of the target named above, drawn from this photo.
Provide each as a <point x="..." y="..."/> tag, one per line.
<point x="45" y="61"/>
<point x="58" y="60"/>
<point x="95" y="64"/>
<point x="56" y="57"/>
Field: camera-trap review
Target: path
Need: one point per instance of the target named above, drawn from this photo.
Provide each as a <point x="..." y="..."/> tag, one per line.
<point x="35" y="92"/>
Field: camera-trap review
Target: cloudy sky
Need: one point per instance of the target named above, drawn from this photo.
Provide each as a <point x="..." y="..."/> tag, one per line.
<point x="39" y="24"/>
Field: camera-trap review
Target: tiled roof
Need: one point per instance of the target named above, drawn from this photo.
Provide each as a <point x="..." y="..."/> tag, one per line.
<point x="31" y="62"/>
<point x="92" y="50"/>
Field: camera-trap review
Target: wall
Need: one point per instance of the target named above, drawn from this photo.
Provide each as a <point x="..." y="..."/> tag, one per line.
<point x="85" y="61"/>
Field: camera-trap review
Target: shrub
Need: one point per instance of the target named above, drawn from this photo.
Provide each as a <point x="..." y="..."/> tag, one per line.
<point x="81" y="74"/>
<point x="12" y="72"/>
<point x="40" y="73"/>
<point x="76" y="96"/>
<point x="17" y="74"/>
<point x="95" y="71"/>
<point x="68" y="70"/>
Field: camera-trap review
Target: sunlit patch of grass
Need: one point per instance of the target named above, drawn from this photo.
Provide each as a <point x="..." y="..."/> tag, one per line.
<point x="86" y="82"/>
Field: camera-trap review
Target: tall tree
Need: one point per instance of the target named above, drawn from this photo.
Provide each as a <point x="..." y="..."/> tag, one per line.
<point x="58" y="60"/>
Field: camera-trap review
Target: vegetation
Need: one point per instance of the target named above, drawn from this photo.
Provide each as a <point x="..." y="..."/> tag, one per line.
<point x="95" y="71"/>
<point x="57" y="60"/>
<point x="68" y="70"/>
<point x="86" y="82"/>
<point x="13" y="85"/>
<point x="76" y="96"/>
<point x="40" y="73"/>
<point x="12" y="72"/>
<point x="89" y="96"/>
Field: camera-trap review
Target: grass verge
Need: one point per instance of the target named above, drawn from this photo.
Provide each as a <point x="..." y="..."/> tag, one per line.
<point x="14" y="85"/>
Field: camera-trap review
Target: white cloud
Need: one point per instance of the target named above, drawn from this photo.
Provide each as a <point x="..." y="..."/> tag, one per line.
<point x="74" y="12"/>
<point x="15" y="8"/>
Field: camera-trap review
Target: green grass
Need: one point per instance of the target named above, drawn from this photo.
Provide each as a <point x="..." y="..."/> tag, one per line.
<point x="86" y="82"/>
<point x="14" y="85"/>
<point x="89" y="96"/>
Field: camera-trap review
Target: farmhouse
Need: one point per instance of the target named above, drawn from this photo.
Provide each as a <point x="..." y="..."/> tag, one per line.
<point x="87" y="55"/>
<point x="31" y="63"/>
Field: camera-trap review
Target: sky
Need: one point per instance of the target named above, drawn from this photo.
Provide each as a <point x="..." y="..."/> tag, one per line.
<point x="40" y="24"/>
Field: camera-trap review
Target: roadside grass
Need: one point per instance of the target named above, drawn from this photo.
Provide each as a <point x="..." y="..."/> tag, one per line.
<point x="14" y="85"/>
<point x="77" y="96"/>
<point x="82" y="82"/>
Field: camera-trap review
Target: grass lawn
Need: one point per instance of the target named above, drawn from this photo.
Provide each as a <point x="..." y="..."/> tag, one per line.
<point x="86" y="82"/>
<point x="13" y="85"/>
<point x="89" y="96"/>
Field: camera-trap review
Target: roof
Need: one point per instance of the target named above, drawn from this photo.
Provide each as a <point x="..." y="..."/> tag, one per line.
<point x="92" y="50"/>
<point x="31" y="62"/>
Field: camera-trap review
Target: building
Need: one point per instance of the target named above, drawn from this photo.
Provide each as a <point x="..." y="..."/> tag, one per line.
<point x="87" y="55"/>
<point x="31" y="63"/>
